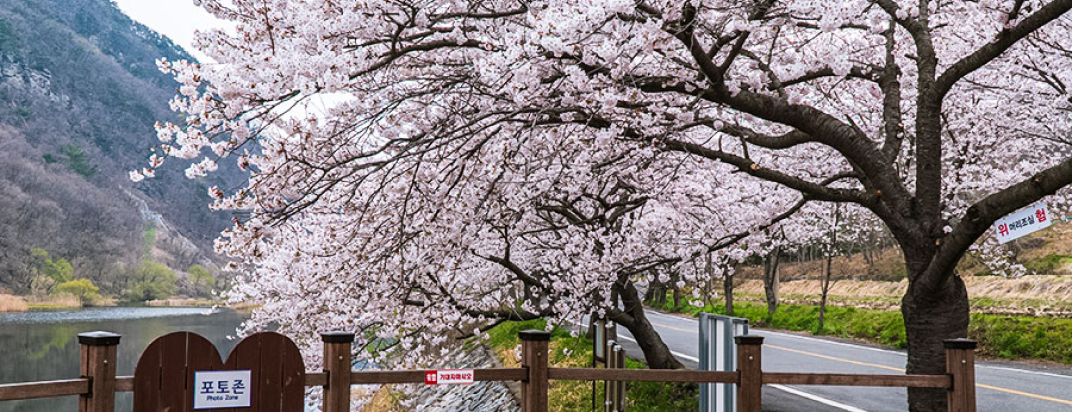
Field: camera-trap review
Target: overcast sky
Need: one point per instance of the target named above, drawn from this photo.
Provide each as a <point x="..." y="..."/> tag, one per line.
<point x="176" y="19"/>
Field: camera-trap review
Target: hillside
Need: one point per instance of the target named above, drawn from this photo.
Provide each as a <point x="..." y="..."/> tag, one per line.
<point x="79" y="94"/>
<point x="878" y="281"/>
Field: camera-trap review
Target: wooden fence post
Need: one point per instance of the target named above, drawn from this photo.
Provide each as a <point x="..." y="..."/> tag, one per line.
<point x="534" y="359"/>
<point x="960" y="365"/>
<point x="750" y="373"/>
<point x="98" y="365"/>
<point x="338" y="363"/>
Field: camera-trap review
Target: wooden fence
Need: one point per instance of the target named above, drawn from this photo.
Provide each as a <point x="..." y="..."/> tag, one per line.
<point x="98" y="384"/>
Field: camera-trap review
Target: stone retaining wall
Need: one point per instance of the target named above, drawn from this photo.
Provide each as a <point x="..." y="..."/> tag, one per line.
<point x="480" y="396"/>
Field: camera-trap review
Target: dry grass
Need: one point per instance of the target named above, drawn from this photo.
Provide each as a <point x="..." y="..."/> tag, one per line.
<point x="382" y="401"/>
<point x="856" y="288"/>
<point x="12" y="303"/>
<point x="1047" y="296"/>
<point x="244" y="307"/>
<point x="56" y="301"/>
<point x="181" y="302"/>
<point x="1053" y="288"/>
<point x="1054" y="241"/>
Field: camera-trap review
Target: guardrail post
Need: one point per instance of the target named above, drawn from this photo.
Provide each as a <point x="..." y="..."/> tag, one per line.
<point x="534" y="358"/>
<point x="98" y="365"/>
<point x="750" y="373"/>
<point x="960" y="365"/>
<point x="619" y="386"/>
<point x="338" y="363"/>
<point x="610" y="388"/>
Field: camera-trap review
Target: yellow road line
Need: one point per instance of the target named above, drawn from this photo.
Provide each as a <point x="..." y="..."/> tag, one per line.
<point x="673" y="327"/>
<point x="873" y="365"/>
<point x="1029" y="395"/>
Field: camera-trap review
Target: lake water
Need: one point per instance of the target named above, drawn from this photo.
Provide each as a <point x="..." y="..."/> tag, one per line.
<point x="39" y="346"/>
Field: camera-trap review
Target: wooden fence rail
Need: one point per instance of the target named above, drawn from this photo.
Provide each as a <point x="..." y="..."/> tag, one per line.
<point x="98" y="384"/>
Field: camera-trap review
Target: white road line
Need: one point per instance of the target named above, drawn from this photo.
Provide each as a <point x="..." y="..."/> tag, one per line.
<point x="817" y="398"/>
<point x="675" y="353"/>
<point x="891" y="352"/>
<point x="796" y="392"/>
<point x="1030" y="372"/>
<point x="790" y="335"/>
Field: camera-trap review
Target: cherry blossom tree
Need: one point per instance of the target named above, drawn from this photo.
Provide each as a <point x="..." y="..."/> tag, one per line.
<point x="483" y="160"/>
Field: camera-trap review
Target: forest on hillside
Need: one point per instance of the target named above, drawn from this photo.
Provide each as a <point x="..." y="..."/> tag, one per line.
<point x="79" y="94"/>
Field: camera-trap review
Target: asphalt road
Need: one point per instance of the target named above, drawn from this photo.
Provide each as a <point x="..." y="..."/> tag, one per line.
<point x="1001" y="386"/>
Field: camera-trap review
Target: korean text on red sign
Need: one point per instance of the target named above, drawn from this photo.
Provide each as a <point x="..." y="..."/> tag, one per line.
<point x="448" y="377"/>
<point x="1022" y="222"/>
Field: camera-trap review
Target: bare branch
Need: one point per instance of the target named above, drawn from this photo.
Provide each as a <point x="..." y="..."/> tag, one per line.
<point x="1005" y="39"/>
<point x="980" y="216"/>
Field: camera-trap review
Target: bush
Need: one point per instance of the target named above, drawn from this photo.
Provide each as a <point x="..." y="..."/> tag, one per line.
<point x="199" y="276"/>
<point x="152" y="281"/>
<point x="59" y="270"/>
<point x="83" y="289"/>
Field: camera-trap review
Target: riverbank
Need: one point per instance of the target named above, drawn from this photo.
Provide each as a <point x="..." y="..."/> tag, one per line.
<point x="12" y="303"/>
<point x="15" y="304"/>
<point x="183" y="303"/>
<point x="241" y="307"/>
<point x="999" y="336"/>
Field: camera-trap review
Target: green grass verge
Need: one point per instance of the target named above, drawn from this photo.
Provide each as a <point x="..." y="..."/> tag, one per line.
<point x="567" y="351"/>
<point x="1047" y="264"/>
<point x="1006" y="337"/>
<point x="1021" y="337"/>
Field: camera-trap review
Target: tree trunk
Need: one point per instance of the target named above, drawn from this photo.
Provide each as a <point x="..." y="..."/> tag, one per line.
<point x="770" y="279"/>
<point x="656" y="294"/>
<point x="825" y="291"/>
<point x="727" y="291"/>
<point x="867" y="251"/>
<point x="709" y="281"/>
<point x="928" y="321"/>
<point x="828" y="255"/>
<point x="656" y="354"/>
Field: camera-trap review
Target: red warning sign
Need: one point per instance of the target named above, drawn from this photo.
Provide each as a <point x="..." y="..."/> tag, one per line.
<point x="448" y="377"/>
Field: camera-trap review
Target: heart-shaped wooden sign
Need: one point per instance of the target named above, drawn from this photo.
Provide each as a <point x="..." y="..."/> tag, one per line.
<point x="164" y="379"/>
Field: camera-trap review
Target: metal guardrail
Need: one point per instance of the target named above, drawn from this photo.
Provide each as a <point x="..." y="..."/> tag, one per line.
<point x="718" y="353"/>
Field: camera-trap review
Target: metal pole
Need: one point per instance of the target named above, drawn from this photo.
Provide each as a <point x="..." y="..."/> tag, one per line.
<point x="619" y="390"/>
